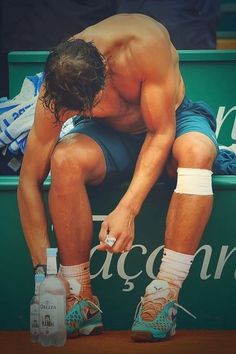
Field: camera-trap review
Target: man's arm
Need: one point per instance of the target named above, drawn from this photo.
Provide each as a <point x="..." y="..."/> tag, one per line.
<point x="158" y="107"/>
<point x="35" y="167"/>
<point x="158" y="100"/>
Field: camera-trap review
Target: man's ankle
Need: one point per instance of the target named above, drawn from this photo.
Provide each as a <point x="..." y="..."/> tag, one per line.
<point x="85" y="294"/>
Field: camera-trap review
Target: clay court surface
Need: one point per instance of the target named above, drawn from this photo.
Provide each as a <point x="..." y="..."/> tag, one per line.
<point x="119" y="342"/>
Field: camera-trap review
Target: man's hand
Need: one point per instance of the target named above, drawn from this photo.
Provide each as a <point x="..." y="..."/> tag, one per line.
<point x="120" y="225"/>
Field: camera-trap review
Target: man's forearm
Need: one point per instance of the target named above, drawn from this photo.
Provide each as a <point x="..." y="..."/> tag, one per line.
<point x="150" y="164"/>
<point x="34" y="221"/>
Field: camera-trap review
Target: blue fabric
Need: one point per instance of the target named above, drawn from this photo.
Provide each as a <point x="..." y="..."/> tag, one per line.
<point x="5" y="109"/>
<point x="37" y="81"/>
<point x="225" y="163"/>
<point x="16" y="119"/>
<point x="121" y="149"/>
<point x="196" y="117"/>
<point x="17" y="114"/>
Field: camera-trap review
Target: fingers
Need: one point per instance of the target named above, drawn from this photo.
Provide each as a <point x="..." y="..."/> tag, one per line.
<point x="116" y="237"/>
<point x="102" y="247"/>
<point x="107" y="243"/>
<point x="114" y="244"/>
<point x="103" y="231"/>
<point x="128" y="246"/>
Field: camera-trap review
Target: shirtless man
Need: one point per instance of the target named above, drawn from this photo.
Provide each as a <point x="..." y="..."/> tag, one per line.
<point x="122" y="76"/>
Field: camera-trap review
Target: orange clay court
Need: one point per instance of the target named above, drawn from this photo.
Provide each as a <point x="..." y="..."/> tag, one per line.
<point x="119" y="342"/>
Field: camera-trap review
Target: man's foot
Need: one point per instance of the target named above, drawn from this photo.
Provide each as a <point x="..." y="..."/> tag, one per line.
<point x="156" y="317"/>
<point x="83" y="316"/>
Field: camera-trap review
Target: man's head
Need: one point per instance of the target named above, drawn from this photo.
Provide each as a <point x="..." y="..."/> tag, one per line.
<point x="74" y="74"/>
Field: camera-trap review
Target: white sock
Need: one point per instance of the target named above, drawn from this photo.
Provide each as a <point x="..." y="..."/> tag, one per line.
<point x="78" y="277"/>
<point x="175" y="267"/>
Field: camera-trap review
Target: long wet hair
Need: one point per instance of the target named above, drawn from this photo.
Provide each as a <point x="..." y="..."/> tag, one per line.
<point x="75" y="73"/>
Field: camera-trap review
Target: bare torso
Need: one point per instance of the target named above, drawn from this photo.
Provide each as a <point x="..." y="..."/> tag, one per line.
<point x="143" y="89"/>
<point x="119" y="39"/>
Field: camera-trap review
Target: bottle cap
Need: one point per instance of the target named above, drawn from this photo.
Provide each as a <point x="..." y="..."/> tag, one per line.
<point x="39" y="277"/>
<point x="52" y="252"/>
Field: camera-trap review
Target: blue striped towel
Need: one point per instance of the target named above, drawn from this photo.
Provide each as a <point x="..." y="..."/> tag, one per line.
<point x="17" y="114"/>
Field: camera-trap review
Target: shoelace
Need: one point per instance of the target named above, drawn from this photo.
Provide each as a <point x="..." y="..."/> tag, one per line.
<point x="176" y="303"/>
<point x="78" y="299"/>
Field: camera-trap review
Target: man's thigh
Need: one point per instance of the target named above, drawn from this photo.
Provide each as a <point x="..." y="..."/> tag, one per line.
<point x="195" y="144"/>
<point x="120" y="149"/>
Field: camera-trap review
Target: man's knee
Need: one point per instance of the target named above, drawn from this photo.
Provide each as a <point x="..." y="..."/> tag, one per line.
<point x="75" y="162"/>
<point x="66" y="162"/>
<point x="198" y="152"/>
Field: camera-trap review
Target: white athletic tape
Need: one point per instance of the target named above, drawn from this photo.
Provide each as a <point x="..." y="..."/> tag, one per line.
<point x="194" y="181"/>
<point x="110" y="240"/>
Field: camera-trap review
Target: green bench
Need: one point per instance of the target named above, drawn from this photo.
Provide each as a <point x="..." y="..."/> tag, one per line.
<point x="119" y="280"/>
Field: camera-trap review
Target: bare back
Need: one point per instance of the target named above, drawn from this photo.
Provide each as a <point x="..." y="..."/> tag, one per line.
<point x="125" y="40"/>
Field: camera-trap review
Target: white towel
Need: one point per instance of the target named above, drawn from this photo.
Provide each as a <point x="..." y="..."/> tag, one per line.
<point x="17" y="114"/>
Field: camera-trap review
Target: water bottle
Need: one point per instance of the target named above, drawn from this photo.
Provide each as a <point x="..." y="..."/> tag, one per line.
<point x="34" y="309"/>
<point x="52" y="303"/>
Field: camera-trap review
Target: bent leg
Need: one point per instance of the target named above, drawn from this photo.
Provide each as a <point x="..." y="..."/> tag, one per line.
<point x="76" y="161"/>
<point x="187" y="217"/>
<point x="188" y="214"/>
<point x="81" y="159"/>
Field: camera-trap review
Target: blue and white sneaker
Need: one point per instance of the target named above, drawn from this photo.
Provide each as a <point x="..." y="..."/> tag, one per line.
<point x="84" y="317"/>
<point x="155" y="318"/>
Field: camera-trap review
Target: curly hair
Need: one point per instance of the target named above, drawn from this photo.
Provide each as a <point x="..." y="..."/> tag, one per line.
<point x="74" y="74"/>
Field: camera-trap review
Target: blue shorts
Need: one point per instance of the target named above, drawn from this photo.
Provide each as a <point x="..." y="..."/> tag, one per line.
<point x="121" y="150"/>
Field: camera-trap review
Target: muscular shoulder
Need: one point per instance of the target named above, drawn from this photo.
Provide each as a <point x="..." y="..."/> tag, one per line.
<point x="153" y="53"/>
<point x="134" y="43"/>
<point x="122" y="30"/>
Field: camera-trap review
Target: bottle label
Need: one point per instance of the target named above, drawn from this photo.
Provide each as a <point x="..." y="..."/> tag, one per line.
<point x="51" y="265"/>
<point x="36" y="290"/>
<point x="49" y="313"/>
<point x="34" y="319"/>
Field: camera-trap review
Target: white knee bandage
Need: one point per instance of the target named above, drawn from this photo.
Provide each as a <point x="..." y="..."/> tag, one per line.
<point x="194" y="181"/>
